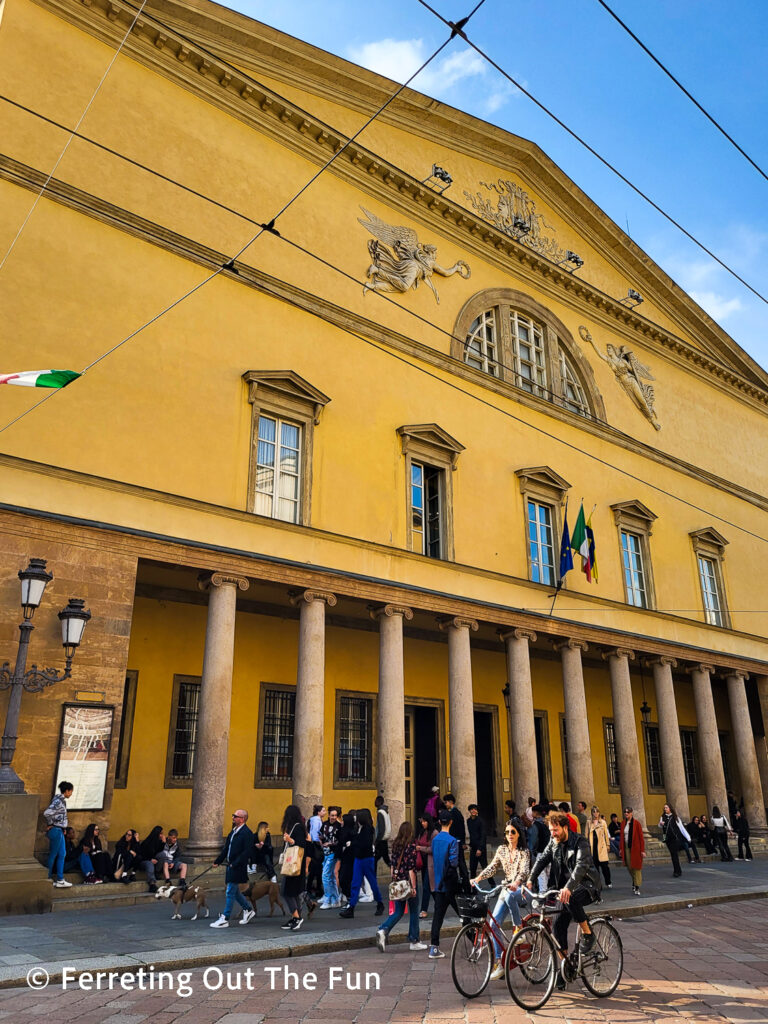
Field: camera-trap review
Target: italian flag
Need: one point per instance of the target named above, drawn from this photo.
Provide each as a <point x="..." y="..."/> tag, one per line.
<point x="580" y="544"/>
<point x="40" y="378"/>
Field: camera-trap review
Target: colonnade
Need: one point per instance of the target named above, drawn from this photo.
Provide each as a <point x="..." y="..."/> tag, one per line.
<point x="209" y="785"/>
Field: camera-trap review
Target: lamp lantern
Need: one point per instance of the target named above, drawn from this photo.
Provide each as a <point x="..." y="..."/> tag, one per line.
<point x="73" y="619"/>
<point x="34" y="580"/>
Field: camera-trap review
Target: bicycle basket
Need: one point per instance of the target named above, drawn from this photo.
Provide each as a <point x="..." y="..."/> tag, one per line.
<point x="472" y="908"/>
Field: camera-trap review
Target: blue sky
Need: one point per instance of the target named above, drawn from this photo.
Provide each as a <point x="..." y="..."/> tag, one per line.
<point x="574" y="58"/>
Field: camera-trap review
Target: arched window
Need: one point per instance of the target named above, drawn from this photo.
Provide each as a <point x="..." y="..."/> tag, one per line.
<point x="507" y="335"/>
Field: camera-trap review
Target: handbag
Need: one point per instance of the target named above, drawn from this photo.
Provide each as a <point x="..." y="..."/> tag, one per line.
<point x="400" y="890"/>
<point x="292" y="859"/>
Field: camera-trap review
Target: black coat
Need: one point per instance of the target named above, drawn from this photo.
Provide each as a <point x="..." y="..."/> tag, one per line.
<point x="237" y="854"/>
<point x="293" y="885"/>
<point x="571" y="864"/>
<point x="457" y="829"/>
<point x="476" y="829"/>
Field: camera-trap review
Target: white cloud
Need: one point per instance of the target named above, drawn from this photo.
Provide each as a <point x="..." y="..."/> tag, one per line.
<point x="718" y="307"/>
<point x="394" y="58"/>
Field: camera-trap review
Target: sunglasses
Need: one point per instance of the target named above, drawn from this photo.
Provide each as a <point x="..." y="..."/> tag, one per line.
<point x="511" y="832"/>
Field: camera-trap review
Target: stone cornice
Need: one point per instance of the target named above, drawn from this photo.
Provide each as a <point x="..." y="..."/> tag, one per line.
<point x="155" y="234"/>
<point x="175" y="56"/>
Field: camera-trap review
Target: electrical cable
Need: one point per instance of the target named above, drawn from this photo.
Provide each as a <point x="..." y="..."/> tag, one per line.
<point x="456" y="29"/>
<point x="683" y="89"/>
<point x="88" y="106"/>
<point x="602" y="159"/>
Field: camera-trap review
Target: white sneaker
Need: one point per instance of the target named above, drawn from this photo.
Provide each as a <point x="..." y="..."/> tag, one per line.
<point x="273" y="878"/>
<point x="62" y="883"/>
<point x="498" y="971"/>
<point x="251" y="869"/>
<point x="248" y="915"/>
<point x="221" y="923"/>
<point x="418" y="945"/>
<point x="381" y="939"/>
<point x="366" y="899"/>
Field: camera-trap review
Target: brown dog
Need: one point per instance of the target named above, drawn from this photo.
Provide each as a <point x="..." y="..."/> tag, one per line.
<point x="258" y="890"/>
<point x="178" y="896"/>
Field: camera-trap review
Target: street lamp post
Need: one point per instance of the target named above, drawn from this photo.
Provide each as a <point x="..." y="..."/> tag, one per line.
<point x="73" y="618"/>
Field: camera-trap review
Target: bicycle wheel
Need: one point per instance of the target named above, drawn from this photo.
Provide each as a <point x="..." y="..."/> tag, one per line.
<point x="602" y="968"/>
<point x="530" y="967"/>
<point x="471" y="959"/>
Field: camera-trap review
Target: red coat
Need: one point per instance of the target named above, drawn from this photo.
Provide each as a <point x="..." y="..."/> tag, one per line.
<point x="637" y="846"/>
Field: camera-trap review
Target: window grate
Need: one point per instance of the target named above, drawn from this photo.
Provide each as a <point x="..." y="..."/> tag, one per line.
<point x="355" y="739"/>
<point x="653" y="757"/>
<point x="690" y="764"/>
<point x="277" y="735"/>
<point x="185" y="731"/>
<point x="610" y="754"/>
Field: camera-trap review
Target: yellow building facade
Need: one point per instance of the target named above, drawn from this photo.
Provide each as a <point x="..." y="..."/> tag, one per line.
<point x="318" y="528"/>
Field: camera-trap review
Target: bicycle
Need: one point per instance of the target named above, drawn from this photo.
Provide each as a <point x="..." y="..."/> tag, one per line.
<point x="530" y="963"/>
<point x="472" y="955"/>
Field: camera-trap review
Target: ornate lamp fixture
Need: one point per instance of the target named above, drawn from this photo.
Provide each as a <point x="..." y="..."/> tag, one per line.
<point x="571" y="257"/>
<point x="439" y="179"/>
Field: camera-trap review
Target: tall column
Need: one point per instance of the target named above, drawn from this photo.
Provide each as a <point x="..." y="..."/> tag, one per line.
<point x="762" y="763"/>
<point x="308" y="759"/>
<point x="525" y="770"/>
<point x="390" y="760"/>
<point x="580" y="775"/>
<point x="709" y="739"/>
<point x="746" y="755"/>
<point x="209" y="781"/>
<point x="625" y="732"/>
<point x="461" y="710"/>
<point x="669" y="736"/>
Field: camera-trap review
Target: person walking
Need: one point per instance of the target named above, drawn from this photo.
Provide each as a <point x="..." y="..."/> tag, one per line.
<point x="600" y="843"/>
<point x="721" y="827"/>
<point x="459" y="832"/>
<point x="582" y="817"/>
<point x="632" y="848"/>
<point x="362" y="848"/>
<point x="383" y="832"/>
<point x="445" y="858"/>
<point x="263" y="854"/>
<point x="235" y="853"/>
<point x="346" y="855"/>
<point x="538" y="840"/>
<point x="741" y="828"/>
<point x="55" y="815"/>
<point x="514" y="861"/>
<point x="478" y="854"/>
<point x="614" y="828"/>
<point x="403" y="871"/>
<point x="294" y="834"/>
<point x="424" y="849"/>
<point x="673" y="834"/>
<point x="329" y="837"/>
<point x="434" y="805"/>
<point x="314" y="851"/>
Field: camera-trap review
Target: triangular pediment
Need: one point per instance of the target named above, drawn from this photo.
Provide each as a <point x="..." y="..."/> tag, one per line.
<point x="430" y="435"/>
<point x="287" y="382"/>
<point x="633" y="509"/>
<point x="709" y="535"/>
<point x="543" y="476"/>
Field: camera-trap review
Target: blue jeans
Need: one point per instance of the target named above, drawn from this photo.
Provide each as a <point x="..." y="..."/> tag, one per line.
<point x="397" y="913"/>
<point x="364" y="868"/>
<point x="86" y="864"/>
<point x="507" y="905"/>
<point x="330" y="889"/>
<point x="58" y="850"/>
<point x="234" y="895"/>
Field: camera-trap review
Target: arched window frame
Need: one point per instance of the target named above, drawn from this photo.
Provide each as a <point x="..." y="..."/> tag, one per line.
<point x="556" y="336"/>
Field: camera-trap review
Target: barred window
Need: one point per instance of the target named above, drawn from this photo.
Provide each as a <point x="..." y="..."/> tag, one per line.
<point x="355" y="761"/>
<point x="653" y="757"/>
<point x="277" y="735"/>
<point x="690" y="764"/>
<point x="610" y="754"/>
<point x="186" y="710"/>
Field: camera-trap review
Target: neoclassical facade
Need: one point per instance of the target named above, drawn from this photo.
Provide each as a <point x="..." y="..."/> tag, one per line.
<point x="318" y="527"/>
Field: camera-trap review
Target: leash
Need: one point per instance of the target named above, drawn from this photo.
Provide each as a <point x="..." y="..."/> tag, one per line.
<point x="209" y="868"/>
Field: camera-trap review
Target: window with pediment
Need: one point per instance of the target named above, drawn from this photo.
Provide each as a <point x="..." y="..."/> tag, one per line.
<point x="709" y="549"/>
<point x="634" y="521"/>
<point x="512" y="339"/>
<point x="431" y="456"/>
<point x="543" y="492"/>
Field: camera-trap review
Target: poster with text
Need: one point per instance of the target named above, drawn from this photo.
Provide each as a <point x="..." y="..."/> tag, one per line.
<point x="86" y="733"/>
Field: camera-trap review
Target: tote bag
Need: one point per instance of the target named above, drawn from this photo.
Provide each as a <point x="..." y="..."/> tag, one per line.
<point x="292" y="857"/>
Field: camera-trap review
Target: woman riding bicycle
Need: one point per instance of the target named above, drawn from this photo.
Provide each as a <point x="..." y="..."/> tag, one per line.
<point x="514" y="860"/>
<point x="573" y="872"/>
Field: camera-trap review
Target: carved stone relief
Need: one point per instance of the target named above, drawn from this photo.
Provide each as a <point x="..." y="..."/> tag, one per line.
<point x="515" y="214"/>
<point x="631" y="374"/>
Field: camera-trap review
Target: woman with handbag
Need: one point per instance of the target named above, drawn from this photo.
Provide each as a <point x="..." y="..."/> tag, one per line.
<point x="722" y="827"/>
<point x="292" y="864"/>
<point x="673" y="834"/>
<point x="600" y="843"/>
<point x="514" y="861"/>
<point x="402" y="889"/>
<point x="424" y="850"/>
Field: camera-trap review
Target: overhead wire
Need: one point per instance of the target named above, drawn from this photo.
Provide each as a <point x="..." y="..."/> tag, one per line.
<point x="456" y="29"/>
<point x="61" y="155"/>
<point x="606" y="163"/>
<point x="683" y="89"/>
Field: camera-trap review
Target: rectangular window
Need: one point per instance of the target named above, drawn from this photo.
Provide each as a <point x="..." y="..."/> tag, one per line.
<point x="610" y="754"/>
<point x="184" y="712"/>
<point x="564" y="748"/>
<point x="277" y="735"/>
<point x="126" y="729"/>
<point x="690" y="764"/>
<point x="540" y="542"/>
<point x="355" y="762"/>
<point x="278" y="468"/>
<point x="427" y="509"/>
<point x="713" y="606"/>
<point x="528" y="348"/>
<point x="653" y="757"/>
<point x="634" y="574"/>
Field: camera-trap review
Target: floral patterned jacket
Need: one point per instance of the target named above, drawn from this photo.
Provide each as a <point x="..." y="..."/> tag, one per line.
<point x="514" y="865"/>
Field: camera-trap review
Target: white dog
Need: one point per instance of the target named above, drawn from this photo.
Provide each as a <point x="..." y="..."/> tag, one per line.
<point x="177" y="896"/>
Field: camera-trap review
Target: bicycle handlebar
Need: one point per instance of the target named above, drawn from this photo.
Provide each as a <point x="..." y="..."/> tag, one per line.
<point x="541" y="895"/>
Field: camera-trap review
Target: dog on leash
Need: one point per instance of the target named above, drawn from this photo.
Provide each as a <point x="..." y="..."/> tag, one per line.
<point x="258" y="890"/>
<point x="178" y="896"/>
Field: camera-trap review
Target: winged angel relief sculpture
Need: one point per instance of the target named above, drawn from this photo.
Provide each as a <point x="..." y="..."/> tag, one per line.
<point x="630" y="373"/>
<point x="408" y="261"/>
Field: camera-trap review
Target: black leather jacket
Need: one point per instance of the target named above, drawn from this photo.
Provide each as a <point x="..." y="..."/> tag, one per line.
<point x="571" y="864"/>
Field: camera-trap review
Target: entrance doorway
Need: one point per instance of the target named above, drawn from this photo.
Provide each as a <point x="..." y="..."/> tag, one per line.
<point x="542" y="756"/>
<point x="484" y="768"/>
<point x="422" y="769"/>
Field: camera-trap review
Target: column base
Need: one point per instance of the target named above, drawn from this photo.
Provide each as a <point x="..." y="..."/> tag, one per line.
<point x="24" y="884"/>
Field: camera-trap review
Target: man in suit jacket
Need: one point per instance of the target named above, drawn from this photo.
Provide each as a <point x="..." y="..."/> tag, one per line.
<point x="235" y="854"/>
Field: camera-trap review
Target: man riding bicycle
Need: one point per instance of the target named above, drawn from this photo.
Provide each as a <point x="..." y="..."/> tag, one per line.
<point x="573" y="872"/>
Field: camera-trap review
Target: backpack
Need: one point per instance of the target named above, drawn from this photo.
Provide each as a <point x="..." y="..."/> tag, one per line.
<point x="387" y="830"/>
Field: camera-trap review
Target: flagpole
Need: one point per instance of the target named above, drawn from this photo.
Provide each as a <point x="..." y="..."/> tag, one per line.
<point x="558" y="588"/>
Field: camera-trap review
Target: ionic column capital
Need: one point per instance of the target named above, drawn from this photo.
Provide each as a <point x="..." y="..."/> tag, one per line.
<point x="734" y="673"/>
<point x="457" y="622"/>
<point x="388" y="610"/>
<point x="619" y="652"/>
<point x="661" y="659"/>
<point x="308" y="596"/>
<point x="571" y="642"/>
<point x="517" y="634"/>
<point x="701" y="667"/>
<point x="207" y="580"/>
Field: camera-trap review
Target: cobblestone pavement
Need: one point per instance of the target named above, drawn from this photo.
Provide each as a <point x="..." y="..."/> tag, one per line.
<point x="705" y="965"/>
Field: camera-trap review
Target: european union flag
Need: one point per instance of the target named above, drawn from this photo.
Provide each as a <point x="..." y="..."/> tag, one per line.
<point x="566" y="556"/>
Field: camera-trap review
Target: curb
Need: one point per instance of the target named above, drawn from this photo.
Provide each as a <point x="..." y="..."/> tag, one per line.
<point x="203" y="956"/>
